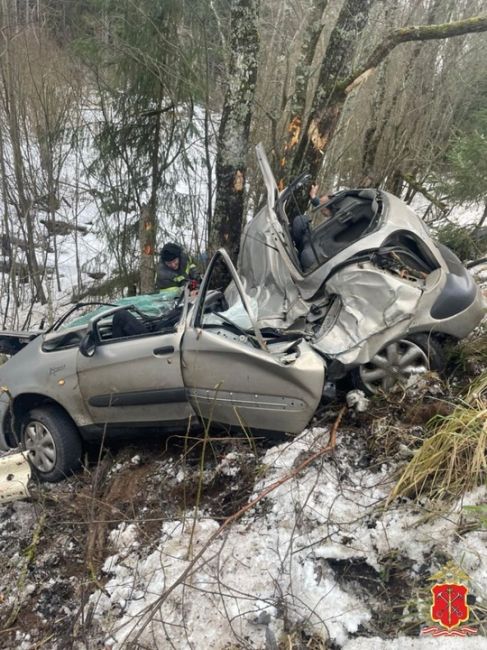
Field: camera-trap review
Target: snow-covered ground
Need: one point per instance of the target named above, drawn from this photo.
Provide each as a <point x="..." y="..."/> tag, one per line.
<point x="120" y="557"/>
<point x="305" y="559"/>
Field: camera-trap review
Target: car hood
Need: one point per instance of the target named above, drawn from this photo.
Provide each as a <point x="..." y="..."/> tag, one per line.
<point x="11" y="342"/>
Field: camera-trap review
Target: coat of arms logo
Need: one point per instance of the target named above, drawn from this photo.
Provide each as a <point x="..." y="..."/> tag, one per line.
<point x="449" y="606"/>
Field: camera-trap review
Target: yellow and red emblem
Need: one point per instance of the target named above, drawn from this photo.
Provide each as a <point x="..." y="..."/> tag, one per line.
<point x="449" y="606"/>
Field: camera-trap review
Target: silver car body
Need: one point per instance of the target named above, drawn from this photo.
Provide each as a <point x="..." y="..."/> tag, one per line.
<point x="350" y="308"/>
<point x="255" y="356"/>
<point x="202" y="369"/>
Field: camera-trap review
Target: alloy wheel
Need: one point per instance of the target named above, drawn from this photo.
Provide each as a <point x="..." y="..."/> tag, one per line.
<point x="396" y="363"/>
<point x="40" y="444"/>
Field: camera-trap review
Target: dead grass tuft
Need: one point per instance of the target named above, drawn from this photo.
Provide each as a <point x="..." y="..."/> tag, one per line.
<point x="469" y="357"/>
<point x="300" y="640"/>
<point x="453" y="458"/>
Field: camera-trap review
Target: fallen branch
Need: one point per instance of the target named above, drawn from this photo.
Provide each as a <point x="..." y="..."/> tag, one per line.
<point x="470" y="265"/>
<point x="422" y="189"/>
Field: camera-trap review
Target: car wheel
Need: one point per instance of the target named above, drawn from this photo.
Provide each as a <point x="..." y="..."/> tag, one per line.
<point x="53" y="443"/>
<point x="397" y="362"/>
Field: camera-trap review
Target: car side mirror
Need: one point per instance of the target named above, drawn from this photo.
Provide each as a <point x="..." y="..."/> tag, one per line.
<point x="87" y="346"/>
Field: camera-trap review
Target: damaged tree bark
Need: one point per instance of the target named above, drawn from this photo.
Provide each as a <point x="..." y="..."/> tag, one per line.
<point x="336" y="82"/>
<point x="304" y="73"/>
<point x="233" y="136"/>
<point x="147" y="237"/>
<point x="329" y="97"/>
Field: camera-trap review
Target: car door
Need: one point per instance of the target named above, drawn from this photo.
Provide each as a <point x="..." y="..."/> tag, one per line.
<point x="237" y="376"/>
<point x="133" y="381"/>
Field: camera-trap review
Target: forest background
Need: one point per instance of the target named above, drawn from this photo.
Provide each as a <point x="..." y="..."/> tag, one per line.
<point x="124" y="123"/>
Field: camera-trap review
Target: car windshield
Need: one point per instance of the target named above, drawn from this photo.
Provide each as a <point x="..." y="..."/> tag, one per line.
<point x="154" y="304"/>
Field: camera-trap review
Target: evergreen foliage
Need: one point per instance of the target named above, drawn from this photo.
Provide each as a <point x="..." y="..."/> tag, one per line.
<point x="467" y="160"/>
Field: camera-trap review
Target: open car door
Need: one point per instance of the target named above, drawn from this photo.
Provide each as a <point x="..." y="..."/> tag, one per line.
<point x="238" y="375"/>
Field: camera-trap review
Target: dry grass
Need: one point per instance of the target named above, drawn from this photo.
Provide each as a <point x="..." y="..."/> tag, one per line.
<point x="299" y="640"/>
<point x="453" y="459"/>
<point x="469" y="356"/>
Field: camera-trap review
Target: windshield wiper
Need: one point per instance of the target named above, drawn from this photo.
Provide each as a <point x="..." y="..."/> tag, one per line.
<point x="250" y="337"/>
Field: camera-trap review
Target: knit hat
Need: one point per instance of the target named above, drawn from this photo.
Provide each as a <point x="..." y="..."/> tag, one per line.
<point x="170" y="251"/>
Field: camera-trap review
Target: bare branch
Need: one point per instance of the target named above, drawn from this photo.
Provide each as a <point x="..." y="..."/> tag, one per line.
<point x="472" y="25"/>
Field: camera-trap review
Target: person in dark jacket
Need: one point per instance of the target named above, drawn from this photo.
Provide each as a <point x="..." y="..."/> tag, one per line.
<point x="175" y="267"/>
<point x="175" y="270"/>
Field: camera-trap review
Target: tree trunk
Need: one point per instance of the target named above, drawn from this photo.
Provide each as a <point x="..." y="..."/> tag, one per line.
<point x="147" y="237"/>
<point x="337" y="79"/>
<point x="148" y="220"/>
<point x="23" y="203"/>
<point x="233" y="136"/>
<point x="304" y="74"/>
<point x="330" y="95"/>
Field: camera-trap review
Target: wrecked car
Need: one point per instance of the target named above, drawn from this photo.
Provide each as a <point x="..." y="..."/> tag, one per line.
<point x="76" y="382"/>
<point x="366" y="293"/>
<point x="371" y="290"/>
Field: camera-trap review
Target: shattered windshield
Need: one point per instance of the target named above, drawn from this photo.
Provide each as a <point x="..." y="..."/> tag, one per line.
<point x="154" y="304"/>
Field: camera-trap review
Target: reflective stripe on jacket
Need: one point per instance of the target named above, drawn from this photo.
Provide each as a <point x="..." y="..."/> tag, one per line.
<point x="167" y="278"/>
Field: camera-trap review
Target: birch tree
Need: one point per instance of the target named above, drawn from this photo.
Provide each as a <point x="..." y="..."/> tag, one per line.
<point x="233" y="136"/>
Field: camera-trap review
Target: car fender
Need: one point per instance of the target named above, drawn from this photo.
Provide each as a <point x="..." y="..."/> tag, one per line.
<point x="33" y="376"/>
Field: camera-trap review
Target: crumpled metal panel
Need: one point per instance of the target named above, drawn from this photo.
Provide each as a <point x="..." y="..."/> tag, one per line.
<point x="265" y="276"/>
<point x="375" y="307"/>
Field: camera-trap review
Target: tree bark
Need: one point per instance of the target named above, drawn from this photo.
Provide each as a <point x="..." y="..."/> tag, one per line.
<point x="337" y="80"/>
<point x="330" y="96"/>
<point x="148" y="220"/>
<point x="147" y="237"/>
<point x="373" y="134"/>
<point x="304" y="74"/>
<point x="472" y="25"/>
<point x="233" y="136"/>
<point x="23" y="202"/>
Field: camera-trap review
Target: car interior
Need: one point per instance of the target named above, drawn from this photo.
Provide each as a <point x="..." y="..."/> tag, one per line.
<point x="348" y="216"/>
<point x="61" y="339"/>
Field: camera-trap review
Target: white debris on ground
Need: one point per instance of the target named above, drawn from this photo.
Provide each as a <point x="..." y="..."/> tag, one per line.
<point x="14" y="476"/>
<point x="356" y="399"/>
<point x="442" y="643"/>
<point x="282" y="565"/>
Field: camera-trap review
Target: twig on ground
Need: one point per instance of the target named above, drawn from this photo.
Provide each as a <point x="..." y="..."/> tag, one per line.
<point x="152" y="609"/>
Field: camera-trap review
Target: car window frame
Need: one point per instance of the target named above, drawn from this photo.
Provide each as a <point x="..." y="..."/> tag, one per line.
<point x="99" y="341"/>
<point x="196" y="321"/>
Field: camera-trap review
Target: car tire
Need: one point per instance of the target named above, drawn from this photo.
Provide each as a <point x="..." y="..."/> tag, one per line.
<point x="397" y="361"/>
<point x="53" y="443"/>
